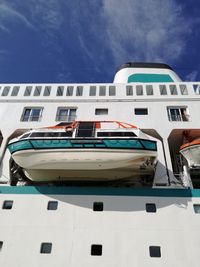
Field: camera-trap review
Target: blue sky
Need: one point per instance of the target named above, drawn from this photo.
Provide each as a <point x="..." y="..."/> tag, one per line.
<point x="87" y="40"/>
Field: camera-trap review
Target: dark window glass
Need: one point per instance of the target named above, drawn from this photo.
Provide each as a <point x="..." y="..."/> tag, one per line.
<point x="112" y="91"/>
<point x="163" y="89"/>
<point x="47" y="91"/>
<point x="101" y="111"/>
<point x="52" y="205"/>
<point x="28" y="91"/>
<point x="25" y="136"/>
<point x="1" y="245"/>
<point x="92" y="90"/>
<point x="37" y="91"/>
<point x="149" y="89"/>
<point x="141" y="111"/>
<point x="60" y="90"/>
<point x="6" y="91"/>
<point x="7" y="204"/>
<point x="51" y="134"/>
<point x="37" y="135"/>
<point x="79" y="91"/>
<point x="96" y="250"/>
<point x="173" y="89"/>
<point x="196" y="208"/>
<point x="129" y="90"/>
<point x="112" y="134"/>
<point x="102" y="90"/>
<point x="183" y="89"/>
<point x="66" y="134"/>
<point x="46" y="248"/>
<point x="15" y="91"/>
<point x="69" y="90"/>
<point x="150" y="207"/>
<point x="98" y="206"/>
<point x="139" y="90"/>
<point x="154" y="251"/>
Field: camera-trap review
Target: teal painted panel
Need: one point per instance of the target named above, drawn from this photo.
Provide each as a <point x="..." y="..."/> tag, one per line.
<point x="106" y="191"/>
<point x="149" y="144"/>
<point x="122" y="143"/>
<point x="149" y="78"/>
<point x="21" y="145"/>
<point x="42" y="144"/>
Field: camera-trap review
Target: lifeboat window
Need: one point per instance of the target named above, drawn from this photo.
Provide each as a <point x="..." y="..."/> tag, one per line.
<point x="66" y="134"/>
<point x="15" y="91"/>
<point x="149" y="89"/>
<point x="112" y="134"/>
<point x="92" y="90"/>
<point x="28" y="91"/>
<point x="70" y="90"/>
<point x="173" y="89"/>
<point x="96" y="250"/>
<point x="7" y="204"/>
<point x="47" y="91"/>
<point x="37" y="91"/>
<point x="6" y="91"/>
<point x="163" y="89"/>
<point x="86" y="129"/>
<point x="141" y="111"/>
<point x="101" y="111"/>
<point x="98" y="206"/>
<point x="60" y="90"/>
<point x="79" y="91"/>
<point x="150" y="207"/>
<point x="112" y="90"/>
<point x="154" y="251"/>
<point x="196" y="208"/>
<point x="129" y="90"/>
<point x="52" y="134"/>
<point x="24" y="136"/>
<point x="46" y="248"/>
<point x="139" y="90"/>
<point x="183" y="89"/>
<point x="52" y="205"/>
<point x="37" y="135"/>
<point x="102" y="90"/>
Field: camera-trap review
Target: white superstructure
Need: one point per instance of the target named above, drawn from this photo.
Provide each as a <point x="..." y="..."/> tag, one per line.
<point x="145" y="222"/>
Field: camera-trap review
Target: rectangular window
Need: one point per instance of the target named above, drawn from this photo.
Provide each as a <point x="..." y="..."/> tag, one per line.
<point x="163" y="89"/>
<point x="101" y="111"/>
<point x="139" y="90"/>
<point x="1" y="245"/>
<point x="98" y="206"/>
<point x="60" y="91"/>
<point x="92" y="91"/>
<point x="129" y="90"/>
<point x="141" y="111"/>
<point x="7" y="204"/>
<point x="178" y="114"/>
<point x="15" y="91"/>
<point x="47" y="91"/>
<point x="173" y="89"/>
<point x="28" y="91"/>
<point x="66" y="114"/>
<point x="149" y="89"/>
<point x="37" y="91"/>
<point x="6" y="90"/>
<point x="52" y="205"/>
<point x="31" y="114"/>
<point x="46" y="248"/>
<point x="183" y="89"/>
<point x="196" y="208"/>
<point x="79" y="90"/>
<point x="102" y="90"/>
<point x="150" y="207"/>
<point x="154" y="251"/>
<point x="69" y="90"/>
<point x="112" y="90"/>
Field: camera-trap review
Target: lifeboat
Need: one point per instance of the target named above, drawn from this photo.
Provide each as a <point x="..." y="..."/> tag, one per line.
<point x="84" y="150"/>
<point x="191" y="152"/>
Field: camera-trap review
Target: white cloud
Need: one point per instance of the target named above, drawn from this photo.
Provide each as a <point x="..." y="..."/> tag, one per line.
<point x="149" y="30"/>
<point x="192" y="76"/>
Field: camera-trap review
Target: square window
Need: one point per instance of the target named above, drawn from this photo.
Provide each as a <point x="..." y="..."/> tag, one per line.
<point x="28" y="91"/>
<point x="47" y="91"/>
<point x="96" y="250"/>
<point x="70" y="90"/>
<point x="6" y="91"/>
<point x="7" y="204"/>
<point x="149" y="89"/>
<point x="46" y="248"/>
<point x="102" y="90"/>
<point x="129" y="90"/>
<point x="60" y="91"/>
<point x="112" y="90"/>
<point x="52" y="205"/>
<point x="37" y="91"/>
<point x="139" y="90"/>
<point x="150" y="207"/>
<point x="92" y="90"/>
<point x="163" y="89"/>
<point x="173" y="89"/>
<point x="98" y="206"/>
<point x="196" y="208"/>
<point x="79" y="91"/>
<point x="31" y="114"/>
<point x="154" y="251"/>
<point x="15" y="91"/>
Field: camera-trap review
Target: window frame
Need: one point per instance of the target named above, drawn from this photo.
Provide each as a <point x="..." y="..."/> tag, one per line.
<point x="30" y="115"/>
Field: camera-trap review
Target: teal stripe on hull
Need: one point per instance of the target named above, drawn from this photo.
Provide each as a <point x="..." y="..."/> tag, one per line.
<point x="99" y="191"/>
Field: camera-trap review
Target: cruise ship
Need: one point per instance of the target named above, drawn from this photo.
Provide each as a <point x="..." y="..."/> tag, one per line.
<point x="101" y="174"/>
